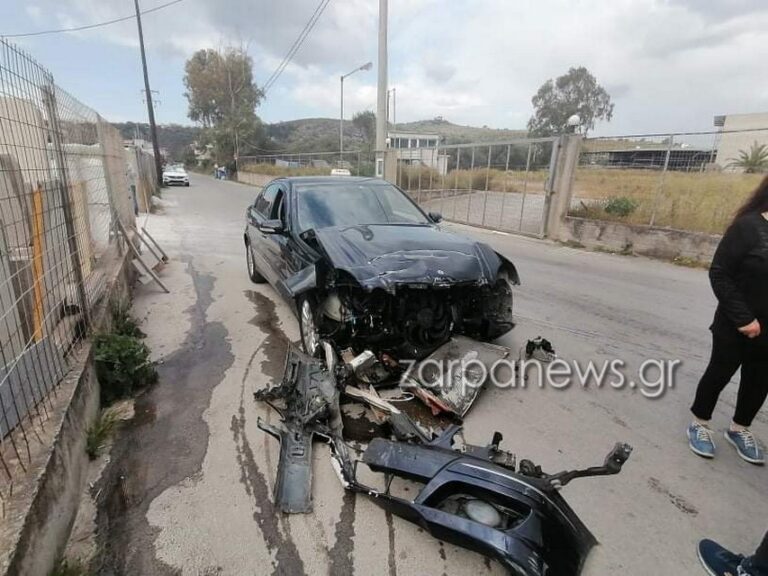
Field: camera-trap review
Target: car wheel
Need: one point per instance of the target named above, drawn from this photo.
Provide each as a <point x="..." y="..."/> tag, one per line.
<point x="253" y="273"/>
<point x="186" y="184"/>
<point x="310" y="337"/>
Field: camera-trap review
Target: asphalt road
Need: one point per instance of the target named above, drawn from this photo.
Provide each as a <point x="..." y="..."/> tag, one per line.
<point x="197" y="474"/>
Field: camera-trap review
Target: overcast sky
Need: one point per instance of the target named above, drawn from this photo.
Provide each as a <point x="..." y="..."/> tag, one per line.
<point x="669" y="65"/>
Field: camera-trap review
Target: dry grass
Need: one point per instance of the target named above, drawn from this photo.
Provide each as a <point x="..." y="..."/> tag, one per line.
<point x="701" y="201"/>
<point x="272" y="170"/>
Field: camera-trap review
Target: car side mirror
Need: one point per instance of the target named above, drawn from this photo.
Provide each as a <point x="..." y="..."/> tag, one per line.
<point x="272" y="226"/>
<point x="436" y="217"/>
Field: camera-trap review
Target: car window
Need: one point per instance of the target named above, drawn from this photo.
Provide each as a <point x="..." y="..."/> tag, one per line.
<point x="263" y="203"/>
<point x="354" y="203"/>
<point x="277" y="211"/>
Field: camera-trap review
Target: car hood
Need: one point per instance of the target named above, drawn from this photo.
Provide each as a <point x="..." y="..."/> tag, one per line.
<point x="174" y="173"/>
<point x="385" y="256"/>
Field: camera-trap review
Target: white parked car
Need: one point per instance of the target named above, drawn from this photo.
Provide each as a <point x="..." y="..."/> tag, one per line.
<point x="175" y="174"/>
<point x="340" y="172"/>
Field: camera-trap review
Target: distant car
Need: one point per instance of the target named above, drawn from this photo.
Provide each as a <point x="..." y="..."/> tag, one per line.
<point x="340" y="172"/>
<point x="175" y="174"/>
<point x="364" y="267"/>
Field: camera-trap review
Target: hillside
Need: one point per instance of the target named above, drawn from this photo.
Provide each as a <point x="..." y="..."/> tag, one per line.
<point x="322" y="134"/>
<point x="174" y="137"/>
<point x="458" y="134"/>
<point x="317" y="134"/>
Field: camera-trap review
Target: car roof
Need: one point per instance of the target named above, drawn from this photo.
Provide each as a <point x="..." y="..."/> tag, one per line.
<point x="310" y="180"/>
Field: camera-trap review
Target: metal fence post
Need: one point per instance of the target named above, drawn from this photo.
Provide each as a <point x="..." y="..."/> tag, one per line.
<point x="660" y="189"/>
<point x="66" y="204"/>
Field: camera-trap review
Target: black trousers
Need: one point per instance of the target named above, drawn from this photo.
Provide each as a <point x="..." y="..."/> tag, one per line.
<point x="731" y="351"/>
<point x="760" y="559"/>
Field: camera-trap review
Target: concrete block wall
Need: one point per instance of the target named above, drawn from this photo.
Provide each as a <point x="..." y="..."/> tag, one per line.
<point x="39" y="515"/>
<point x="660" y="243"/>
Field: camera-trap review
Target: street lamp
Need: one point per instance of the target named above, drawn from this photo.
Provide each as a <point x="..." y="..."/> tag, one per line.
<point x="366" y="66"/>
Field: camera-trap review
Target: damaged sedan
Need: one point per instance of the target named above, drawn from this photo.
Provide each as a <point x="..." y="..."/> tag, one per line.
<point x="364" y="267"/>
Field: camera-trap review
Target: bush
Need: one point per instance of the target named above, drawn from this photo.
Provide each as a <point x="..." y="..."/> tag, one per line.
<point x="125" y="324"/>
<point x="122" y="366"/>
<point x="620" y="206"/>
<point x="99" y="432"/>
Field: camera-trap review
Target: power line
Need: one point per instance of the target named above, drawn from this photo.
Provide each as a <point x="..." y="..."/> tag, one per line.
<point x="296" y="45"/>
<point x="90" y="26"/>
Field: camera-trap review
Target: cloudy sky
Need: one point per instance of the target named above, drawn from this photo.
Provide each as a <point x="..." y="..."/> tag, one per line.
<point x="668" y="64"/>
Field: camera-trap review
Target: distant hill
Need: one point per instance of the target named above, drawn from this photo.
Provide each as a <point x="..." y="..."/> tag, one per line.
<point x="458" y="134"/>
<point x="174" y="137"/>
<point x="322" y="134"/>
<point x="317" y="134"/>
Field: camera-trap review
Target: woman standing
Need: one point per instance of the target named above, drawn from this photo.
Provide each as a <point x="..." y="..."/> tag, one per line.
<point x="739" y="277"/>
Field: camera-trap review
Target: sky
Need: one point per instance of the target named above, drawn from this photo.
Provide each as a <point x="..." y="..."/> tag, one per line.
<point x="669" y="65"/>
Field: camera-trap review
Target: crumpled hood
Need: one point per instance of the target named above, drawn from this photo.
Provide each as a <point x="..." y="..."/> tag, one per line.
<point x="383" y="256"/>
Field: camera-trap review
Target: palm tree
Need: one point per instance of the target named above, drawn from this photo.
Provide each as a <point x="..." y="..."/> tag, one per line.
<point x="753" y="161"/>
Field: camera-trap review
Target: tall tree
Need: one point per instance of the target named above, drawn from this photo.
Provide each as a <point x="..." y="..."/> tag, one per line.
<point x="223" y="98"/>
<point x="366" y="123"/>
<point x="576" y="92"/>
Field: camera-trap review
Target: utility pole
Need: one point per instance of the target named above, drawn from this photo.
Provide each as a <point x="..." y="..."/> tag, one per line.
<point x="381" y="100"/>
<point x="150" y="108"/>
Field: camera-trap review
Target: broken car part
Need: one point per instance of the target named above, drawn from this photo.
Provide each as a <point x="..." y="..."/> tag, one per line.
<point x="474" y="498"/>
<point x="310" y="405"/>
<point x="450" y="378"/>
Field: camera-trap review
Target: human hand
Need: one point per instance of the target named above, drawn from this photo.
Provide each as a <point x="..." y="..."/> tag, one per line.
<point x="751" y="330"/>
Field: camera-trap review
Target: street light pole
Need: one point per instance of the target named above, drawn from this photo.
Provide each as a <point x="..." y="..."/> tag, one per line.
<point x="381" y="99"/>
<point x="364" y="67"/>
<point x="150" y="107"/>
<point x="341" y="124"/>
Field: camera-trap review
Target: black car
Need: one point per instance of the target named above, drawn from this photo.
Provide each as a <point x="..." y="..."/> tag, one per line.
<point x="364" y="267"/>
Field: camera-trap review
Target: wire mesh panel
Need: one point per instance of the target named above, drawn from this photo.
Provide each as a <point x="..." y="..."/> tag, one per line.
<point x="62" y="187"/>
<point x="499" y="185"/>
<point x="691" y="181"/>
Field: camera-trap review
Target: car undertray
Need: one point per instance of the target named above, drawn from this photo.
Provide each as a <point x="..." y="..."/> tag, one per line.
<point x="477" y="497"/>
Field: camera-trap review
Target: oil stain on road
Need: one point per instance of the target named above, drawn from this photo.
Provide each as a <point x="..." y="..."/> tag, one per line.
<point x="166" y="442"/>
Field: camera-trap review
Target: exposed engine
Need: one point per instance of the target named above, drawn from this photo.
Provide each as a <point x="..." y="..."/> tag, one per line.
<point x="416" y="319"/>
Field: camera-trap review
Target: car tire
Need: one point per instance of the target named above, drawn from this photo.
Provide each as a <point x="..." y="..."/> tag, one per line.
<point x="250" y="262"/>
<point x="310" y="338"/>
<point x="186" y="184"/>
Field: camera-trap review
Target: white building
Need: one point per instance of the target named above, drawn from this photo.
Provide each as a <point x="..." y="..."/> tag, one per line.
<point x="418" y="148"/>
<point x="740" y="132"/>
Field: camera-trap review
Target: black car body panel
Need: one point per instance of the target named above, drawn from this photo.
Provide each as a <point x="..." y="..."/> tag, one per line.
<point x="383" y="256"/>
<point x="396" y="286"/>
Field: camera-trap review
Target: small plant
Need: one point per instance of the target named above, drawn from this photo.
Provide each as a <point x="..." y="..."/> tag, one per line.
<point x="99" y="432"/>
<point x="620" y="206"/>
<point x="123" y="323"/>
<point x="122" y="366"/>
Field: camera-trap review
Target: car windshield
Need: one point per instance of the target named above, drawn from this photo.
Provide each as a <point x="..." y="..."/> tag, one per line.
<point x="354" y="203"/>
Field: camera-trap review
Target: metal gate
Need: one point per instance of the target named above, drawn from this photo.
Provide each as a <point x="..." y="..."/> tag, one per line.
<point x="498" y="185"/>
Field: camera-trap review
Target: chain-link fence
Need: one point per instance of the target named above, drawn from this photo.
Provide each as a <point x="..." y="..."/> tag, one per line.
<point x="63" y="189"/>
<point x="687" y="181"/>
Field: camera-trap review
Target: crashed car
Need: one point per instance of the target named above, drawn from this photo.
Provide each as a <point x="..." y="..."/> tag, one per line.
<point x="364" y="267"/>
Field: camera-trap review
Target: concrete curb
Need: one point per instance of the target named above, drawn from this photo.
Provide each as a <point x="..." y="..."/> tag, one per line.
<point x="40" y="514"/>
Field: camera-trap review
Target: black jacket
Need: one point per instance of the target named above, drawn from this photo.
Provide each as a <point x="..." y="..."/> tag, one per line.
<point x="739" y="274"/>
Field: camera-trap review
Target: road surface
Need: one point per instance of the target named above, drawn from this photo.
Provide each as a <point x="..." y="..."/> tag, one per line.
<point x="195" y="474"/>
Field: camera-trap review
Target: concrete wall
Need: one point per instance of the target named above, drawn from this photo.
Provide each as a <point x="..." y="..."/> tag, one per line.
<point x="39" y="514"/>
<point x="660" y="243"/>
<point x="254" y="179"/>
<point x="731" y="144"/>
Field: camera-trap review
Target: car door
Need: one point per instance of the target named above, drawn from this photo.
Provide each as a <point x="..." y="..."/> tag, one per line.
<point x="258" y="213"/>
